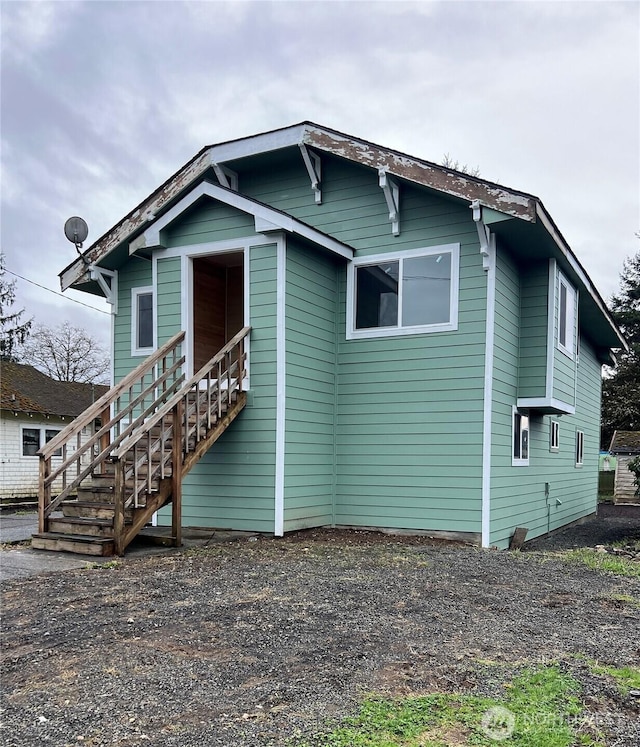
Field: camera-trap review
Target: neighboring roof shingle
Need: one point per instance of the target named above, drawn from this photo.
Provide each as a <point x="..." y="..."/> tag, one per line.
<point x="25" y="389"/>
<point x="625" y="442"/>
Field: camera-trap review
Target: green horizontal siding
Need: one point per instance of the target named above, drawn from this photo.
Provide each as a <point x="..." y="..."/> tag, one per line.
<point x="518" y="492"/>
<point x="135" y="274"/>
<point x="353" y="206"/>
<point x="564" y="377"/>
<point x="169" y="298"/>
<point x="208" y="221"/>
<point x="409" y="428"/>
<point x="533" y="329"/>
<point x="310" y="342"/>
<point x="233" y="485"/>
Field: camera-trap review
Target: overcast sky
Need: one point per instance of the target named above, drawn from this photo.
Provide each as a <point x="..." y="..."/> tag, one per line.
<point x="102" y="101"/>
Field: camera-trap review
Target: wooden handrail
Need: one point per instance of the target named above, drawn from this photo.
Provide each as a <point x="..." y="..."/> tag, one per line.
<point x="145" y="442"/>
<point x="131" y="427"/>
<point x="154" y="427"/>
<point x="163" y="367"/>
<point x="186" y="387"/>
<point x="96" y="409"/>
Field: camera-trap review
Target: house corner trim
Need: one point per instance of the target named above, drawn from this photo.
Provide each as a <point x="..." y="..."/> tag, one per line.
<point x="281" y="270"/>
<point x="488" y="251"/>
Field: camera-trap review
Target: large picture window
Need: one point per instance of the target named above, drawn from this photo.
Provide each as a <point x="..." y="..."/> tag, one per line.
<point x="142" y="338"/>
<point x="404" y="293"/>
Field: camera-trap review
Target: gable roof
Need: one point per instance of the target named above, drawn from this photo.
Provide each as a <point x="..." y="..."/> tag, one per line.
<point x="625" y="442"/>
<point x="25" y="389"/>
<point x="505" y="204"/>
<point x="266" y="218"/>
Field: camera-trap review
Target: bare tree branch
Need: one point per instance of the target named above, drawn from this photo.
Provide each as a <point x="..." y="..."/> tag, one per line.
<point x="66" y="353"/>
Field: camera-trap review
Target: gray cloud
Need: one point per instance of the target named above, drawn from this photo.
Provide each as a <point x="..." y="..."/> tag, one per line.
<point x="102" y="101"/>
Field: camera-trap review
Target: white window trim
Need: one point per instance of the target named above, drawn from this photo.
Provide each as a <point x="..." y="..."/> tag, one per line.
<point x="357" y="334"/>
<point x="554" y="425"/>
<point x="572" y="296"/>
<point x="135" y="292"/>
<point x="579" y="447"/>
<point x="517" y="461"/>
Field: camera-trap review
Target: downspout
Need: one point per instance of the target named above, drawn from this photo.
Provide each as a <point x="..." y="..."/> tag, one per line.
<point x="488" y="252"/>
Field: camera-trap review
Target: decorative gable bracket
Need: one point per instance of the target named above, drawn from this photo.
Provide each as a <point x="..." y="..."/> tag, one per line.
<point x="486" y="238"/>
<point x="391" y="191"/>
<point x="225" y="176"/>
<point x="108" y="282"/>
<point x="314" y="169"/>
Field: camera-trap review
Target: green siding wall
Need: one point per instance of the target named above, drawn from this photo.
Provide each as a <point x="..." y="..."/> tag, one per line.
<point x="169" y="299"/>
<point x="311" y="308"/>
<point x="409" y="430"/>
<point x="518" y="492"/>
<point x="564" y="377"/>
<point x="381" y="432"/>
<point x="233" y="485"/>
<point x="353" y="207"/>
<point x="208" y="221"/>
<point x="532" y="375"/>
<point x="135" y="274"/>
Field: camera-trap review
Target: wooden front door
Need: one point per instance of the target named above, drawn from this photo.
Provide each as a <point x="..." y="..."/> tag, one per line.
<point x="218" y="303"/>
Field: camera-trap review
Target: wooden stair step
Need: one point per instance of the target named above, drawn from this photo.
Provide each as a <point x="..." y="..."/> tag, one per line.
<point x="75" y="543"/>
<point x="101" y="480"/>
<point x="82" y="525"/>
<point x="92" y="510"/>
<point x="100" y="494"/>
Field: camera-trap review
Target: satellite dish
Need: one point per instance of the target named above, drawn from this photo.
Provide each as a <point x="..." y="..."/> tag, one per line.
<point x="76" y="230"/>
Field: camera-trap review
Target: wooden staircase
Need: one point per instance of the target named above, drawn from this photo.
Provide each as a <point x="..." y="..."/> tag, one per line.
<point x="153" y="428"/>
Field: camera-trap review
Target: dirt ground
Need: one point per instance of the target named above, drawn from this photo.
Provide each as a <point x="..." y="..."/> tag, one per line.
<point x="263" y="642"/>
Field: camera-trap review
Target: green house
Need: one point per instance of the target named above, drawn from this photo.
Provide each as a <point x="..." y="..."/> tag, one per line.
<point x="424" y="351"/>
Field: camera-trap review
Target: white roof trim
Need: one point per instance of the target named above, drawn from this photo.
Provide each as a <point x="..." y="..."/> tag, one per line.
<point x="257" y="144"/>
<point x="266" y="217"/>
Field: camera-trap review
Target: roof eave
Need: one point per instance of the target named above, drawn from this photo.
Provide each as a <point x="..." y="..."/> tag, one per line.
<point x="456" y="184"/>
<point x="551" y="228"/>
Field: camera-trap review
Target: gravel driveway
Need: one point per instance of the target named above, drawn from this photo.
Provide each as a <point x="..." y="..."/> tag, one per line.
<point x="258" y="642"/>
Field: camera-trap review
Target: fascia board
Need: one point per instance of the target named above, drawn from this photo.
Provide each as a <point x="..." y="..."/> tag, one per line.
<point x="505" y="200"/>
<point x="257" y="144"/>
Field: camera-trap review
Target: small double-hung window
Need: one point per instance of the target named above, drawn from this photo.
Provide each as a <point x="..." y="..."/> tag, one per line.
<point x="142" y="326"/>
<point x="403" y="293"/>
<point x="566" y="316"/>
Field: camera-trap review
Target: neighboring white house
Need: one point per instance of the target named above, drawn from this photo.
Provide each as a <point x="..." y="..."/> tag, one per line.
<point x="33" y="409"/>
<point x="625" y="445"/>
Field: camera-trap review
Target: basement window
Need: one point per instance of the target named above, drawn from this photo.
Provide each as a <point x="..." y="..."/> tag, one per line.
<point x="403" y="293"/>
<point x="520" y="423"/>
<point x="142" y="326"/>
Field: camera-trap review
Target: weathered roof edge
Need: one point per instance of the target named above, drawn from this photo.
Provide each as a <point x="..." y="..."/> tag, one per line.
<point x="457" y="184"/>
<point x="510" y="201"/>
